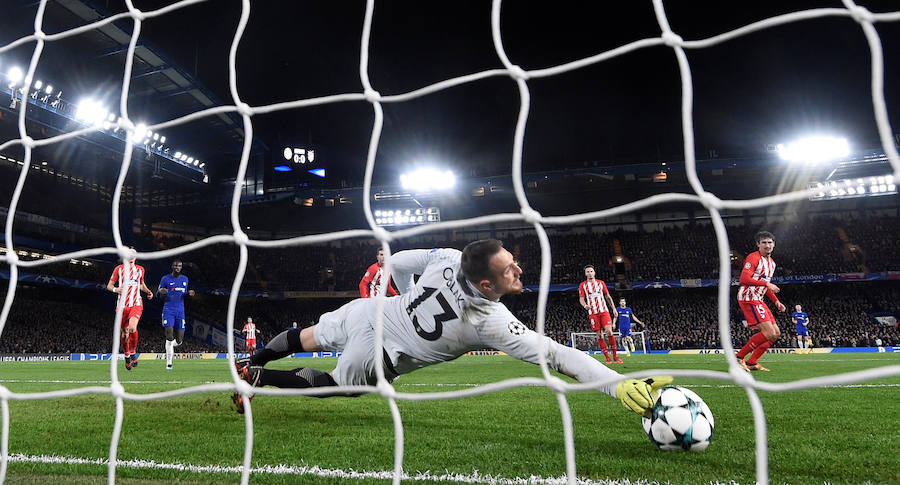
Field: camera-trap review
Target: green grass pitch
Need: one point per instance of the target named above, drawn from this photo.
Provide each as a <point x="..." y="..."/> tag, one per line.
<point x="846" y="434"/>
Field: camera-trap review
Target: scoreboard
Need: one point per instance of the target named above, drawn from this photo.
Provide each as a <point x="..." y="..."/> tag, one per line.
<point x="297" y="165"/>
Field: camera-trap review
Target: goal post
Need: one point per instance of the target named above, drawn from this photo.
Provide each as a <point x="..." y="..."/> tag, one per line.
<point x="588" y="341"/>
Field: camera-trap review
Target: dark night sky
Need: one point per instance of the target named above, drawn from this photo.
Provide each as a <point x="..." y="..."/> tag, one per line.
<point x="763" y="88"/>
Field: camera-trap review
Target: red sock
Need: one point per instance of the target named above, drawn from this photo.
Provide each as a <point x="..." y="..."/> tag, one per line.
<point x="132" y="342"/>
<point x="123" y="343"/>
<point x="758" y="352"/>
<point x="602" y="344"/>
<point x="612" y="344"/>
<point x="755" y="341"/>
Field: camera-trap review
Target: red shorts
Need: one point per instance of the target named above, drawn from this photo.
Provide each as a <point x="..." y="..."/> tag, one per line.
<point x="755" y="312"/>
<point x="600" y="320"/>
<point x="131" y="312"/>
<point x="251" y="343"/>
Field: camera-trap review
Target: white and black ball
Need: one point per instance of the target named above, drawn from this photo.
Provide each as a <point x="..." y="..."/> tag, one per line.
<point x="680" y="420"/>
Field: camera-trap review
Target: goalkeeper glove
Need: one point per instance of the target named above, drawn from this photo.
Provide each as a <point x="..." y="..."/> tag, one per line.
<point x="638" y="395"/>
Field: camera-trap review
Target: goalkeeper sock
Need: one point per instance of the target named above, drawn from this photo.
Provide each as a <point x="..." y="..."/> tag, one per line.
<point x="299" y="378"/>
<point x="759" y="352"/>
<point x="755" y="341"/>
<point x="281" y="345"/>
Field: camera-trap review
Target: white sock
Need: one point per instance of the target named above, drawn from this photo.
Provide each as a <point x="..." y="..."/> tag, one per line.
<point x="169" y="351"/>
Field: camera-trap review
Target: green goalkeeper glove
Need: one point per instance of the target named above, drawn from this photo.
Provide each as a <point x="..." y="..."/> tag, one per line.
<point x="638" y="395"/>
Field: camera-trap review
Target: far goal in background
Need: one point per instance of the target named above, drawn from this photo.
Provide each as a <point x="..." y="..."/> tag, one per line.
<point x="588" y="341"/>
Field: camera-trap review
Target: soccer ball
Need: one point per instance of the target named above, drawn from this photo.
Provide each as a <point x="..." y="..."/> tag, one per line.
<point x="680" y="420"/>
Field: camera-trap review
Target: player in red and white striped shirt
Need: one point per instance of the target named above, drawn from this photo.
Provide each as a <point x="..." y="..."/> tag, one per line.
<point x="250" y="333"/>
<point x="370" y="284"/>
<point x="130" y="280"/>
<point x="595" y="298"/>
<point x="756" y="283"/>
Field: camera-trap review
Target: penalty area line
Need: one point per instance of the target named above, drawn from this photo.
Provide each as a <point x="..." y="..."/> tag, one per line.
<point x="475" y="477"/>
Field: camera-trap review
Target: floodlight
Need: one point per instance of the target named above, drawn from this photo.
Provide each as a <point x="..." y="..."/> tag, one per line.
<point x="814" y="149"/>
<point x="162" y="139"/>
<point x="156" y="136"/>
<point x="190" y="160"/>
<point x="48" y="90"/>
<point x="38" y="84"/>
<point x="14" y="75"/>
<point x="202" y="164"/>
<point x="428" y="179"/>
<point x="177" y="154"/>
<point x="139" y="131"/>
<point x="90" y="111"/>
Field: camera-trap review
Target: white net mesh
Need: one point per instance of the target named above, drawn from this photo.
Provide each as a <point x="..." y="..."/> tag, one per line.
<point x="713" y="204"/>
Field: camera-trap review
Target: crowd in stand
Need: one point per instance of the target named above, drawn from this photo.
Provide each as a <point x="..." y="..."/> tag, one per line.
<point x="676" y="318"/>
<point x="820" y="245"/>
<point x="840" y="315"/>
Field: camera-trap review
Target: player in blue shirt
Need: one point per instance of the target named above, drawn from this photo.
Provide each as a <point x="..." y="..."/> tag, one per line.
<point x="801" y="321"/>
<point x="174" y="287"/>
<point x="626" y="315"/>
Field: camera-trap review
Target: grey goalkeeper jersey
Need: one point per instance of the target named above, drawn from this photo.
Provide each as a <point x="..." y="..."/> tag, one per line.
<point x="440" y="317"/>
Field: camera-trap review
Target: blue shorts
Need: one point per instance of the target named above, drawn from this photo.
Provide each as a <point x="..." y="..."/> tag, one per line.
<point x="802" y="331"/>
<point x="173" y="318"/>
<point x="625" y="330"/>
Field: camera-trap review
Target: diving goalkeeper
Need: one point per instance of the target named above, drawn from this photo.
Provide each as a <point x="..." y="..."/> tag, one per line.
<point x="451" y="309"/>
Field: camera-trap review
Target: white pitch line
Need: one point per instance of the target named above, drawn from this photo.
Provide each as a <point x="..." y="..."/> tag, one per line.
<point x="475" y="477"/>
<point x="433" y="384"/>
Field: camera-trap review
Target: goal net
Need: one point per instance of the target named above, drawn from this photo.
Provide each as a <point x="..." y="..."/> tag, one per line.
<point x="588" y="341"/>
<point x="369" y="94"/>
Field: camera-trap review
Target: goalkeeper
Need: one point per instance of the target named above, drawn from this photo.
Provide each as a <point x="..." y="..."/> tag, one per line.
<point x="452" y="308"/>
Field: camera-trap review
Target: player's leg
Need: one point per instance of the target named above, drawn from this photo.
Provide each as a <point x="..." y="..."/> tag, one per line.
<point x="329" y="334"/>
<point x="597" y="326"/>
<point x="753" y="319"/>
<point x="123" y="340"/>
<point x="625" y="331"/>
<point x="607" y="328"/>
<point x="770" y="330"/>
<point x="133" y="339"/>
<point x="170" y="346"/>
<point x="284" y="344"/>
<point x="602" y="343"/>
<point x="168" y="323"/>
